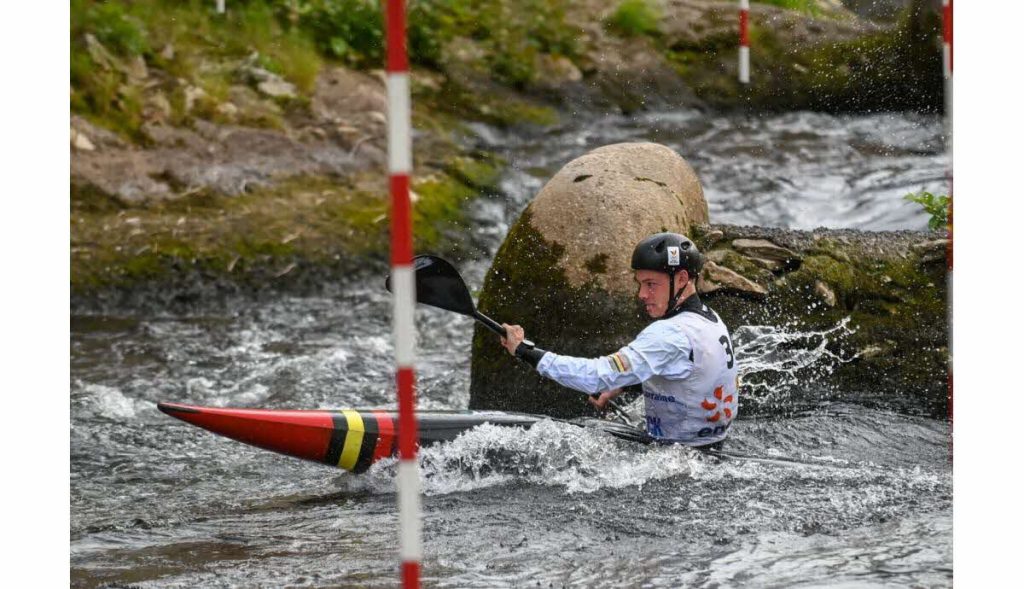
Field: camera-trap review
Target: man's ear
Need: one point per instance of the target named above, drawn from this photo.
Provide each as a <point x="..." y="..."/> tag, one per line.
<point x="682" y="278"/>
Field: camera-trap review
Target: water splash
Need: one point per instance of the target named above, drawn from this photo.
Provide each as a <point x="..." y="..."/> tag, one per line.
<point x="550" y="453"/>
<point x="777" y="363"/>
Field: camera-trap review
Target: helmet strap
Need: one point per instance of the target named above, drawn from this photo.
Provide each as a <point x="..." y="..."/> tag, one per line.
<point x="673" y="296"/>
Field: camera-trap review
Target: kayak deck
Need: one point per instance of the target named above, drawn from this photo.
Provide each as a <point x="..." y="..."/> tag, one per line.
<point x="354" y="439"/>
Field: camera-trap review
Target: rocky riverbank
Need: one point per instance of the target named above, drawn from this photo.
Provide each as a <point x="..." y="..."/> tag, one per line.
<point x="246" y="152"/>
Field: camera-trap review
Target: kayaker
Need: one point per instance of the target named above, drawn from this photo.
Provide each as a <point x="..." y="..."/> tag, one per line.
<point x="684" y="359"/>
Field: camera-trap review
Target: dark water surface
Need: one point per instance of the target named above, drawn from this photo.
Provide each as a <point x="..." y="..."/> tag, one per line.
<point x="866" y="503"/>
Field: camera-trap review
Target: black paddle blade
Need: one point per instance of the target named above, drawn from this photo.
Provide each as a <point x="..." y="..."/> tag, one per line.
<point x="439" y="284"/>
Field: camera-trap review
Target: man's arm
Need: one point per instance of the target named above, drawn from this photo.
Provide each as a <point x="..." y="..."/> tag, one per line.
<point x="650" y="354"/>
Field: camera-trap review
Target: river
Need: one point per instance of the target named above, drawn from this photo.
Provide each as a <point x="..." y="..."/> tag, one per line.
<point x="863" y="497"/>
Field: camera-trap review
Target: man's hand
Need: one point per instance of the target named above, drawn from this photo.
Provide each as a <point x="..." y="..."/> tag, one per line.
<point x="602" y="400"/>
<point x="514" y="336"/>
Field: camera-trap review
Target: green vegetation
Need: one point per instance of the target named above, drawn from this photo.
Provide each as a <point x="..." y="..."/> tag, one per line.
<point x="634" y="18"/>
<point x="895" y="69"/>
<point x="116" y="43"/>
<point x="805" y="6"/>
<point x="936" y="206"/>
<point x="315" y="221"/>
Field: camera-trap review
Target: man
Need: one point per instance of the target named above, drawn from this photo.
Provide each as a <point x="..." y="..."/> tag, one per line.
<point x="684" y="359"/>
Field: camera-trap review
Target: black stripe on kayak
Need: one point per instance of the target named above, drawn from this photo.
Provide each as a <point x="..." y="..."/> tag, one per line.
<point x="170" y="408"/>
<point x="369" y="442"/>
<point x="337" y="443"/>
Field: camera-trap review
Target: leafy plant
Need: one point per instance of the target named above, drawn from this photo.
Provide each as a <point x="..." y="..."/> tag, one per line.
<point x="634" y="18"/>
<point x="936" y="206"/>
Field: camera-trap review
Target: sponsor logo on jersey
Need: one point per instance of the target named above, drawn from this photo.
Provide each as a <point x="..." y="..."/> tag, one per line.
<point x="659" y="397"/>
<point x="707" y="432"/>
<point x="673" y="255"/>
<point x="723" y="406"/>
<point x="654" y="427"/>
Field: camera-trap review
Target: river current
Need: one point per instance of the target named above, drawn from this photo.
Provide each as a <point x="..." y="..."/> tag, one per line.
<point x="838" y="494"/>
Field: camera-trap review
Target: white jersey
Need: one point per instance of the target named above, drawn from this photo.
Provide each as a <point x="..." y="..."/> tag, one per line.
<point x="688" y="370"/>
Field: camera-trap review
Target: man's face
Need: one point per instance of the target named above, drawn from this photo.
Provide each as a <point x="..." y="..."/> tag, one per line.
<point x="653" y="290"/>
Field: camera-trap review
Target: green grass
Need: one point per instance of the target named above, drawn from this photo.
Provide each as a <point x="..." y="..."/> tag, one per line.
<point x="193" y="45"/>
<point x="188" y="41"/>
<point x="805" y="6"/>
<point x="634" y="18"/>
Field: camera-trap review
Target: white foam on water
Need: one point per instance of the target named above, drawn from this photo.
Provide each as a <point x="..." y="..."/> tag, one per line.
<point x="109" y="402"/>
<point x="550" y="453"/>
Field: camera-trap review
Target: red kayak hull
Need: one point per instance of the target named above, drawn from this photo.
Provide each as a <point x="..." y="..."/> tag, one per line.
<point x="349" y="439"/>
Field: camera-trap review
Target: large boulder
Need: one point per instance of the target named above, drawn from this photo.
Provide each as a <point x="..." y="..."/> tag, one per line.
<point x="871" y="306"/>
<point x="563" y="271"/>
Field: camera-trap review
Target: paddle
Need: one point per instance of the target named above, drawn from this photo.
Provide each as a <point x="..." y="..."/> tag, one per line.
<point x="440" y="285"/>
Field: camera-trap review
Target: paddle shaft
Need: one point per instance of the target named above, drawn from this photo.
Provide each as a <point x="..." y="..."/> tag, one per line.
<point x="489" y="323"/>
<point x="494" y="325"/>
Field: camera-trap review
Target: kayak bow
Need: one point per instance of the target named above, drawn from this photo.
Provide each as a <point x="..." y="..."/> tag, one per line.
<point x="349" y="439"/>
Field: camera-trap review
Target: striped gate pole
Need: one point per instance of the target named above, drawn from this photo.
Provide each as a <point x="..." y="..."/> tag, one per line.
<point x="947" y="72"/>
<point x="947" y="66"/>
<point x="744" y="42"/>
<point x="404" y="283"/>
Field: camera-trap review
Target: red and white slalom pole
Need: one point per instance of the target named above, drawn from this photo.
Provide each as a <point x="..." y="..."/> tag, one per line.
<point x="404" y="284"/>
<point x="947" y="67"/>
<point x="947" y="72"/>
<point x="744" y="42"/>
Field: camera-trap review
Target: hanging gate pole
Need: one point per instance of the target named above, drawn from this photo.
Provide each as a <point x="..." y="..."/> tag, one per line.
<point x="744" y="42"/>
<point x="404" y="285"/>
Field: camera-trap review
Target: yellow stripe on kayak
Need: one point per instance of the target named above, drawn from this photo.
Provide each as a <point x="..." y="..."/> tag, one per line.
<point x="353" y="440"/>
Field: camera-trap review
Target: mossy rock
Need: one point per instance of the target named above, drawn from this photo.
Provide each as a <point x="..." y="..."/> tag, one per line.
<point x="563" y="271"/>
<point x="896" y="342"/>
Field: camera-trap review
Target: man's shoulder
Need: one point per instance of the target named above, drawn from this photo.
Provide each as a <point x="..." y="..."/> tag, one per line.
<point x="663" y="332"/>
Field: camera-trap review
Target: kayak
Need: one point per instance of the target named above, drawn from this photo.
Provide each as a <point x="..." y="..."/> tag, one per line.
<point x="354" y="439"/>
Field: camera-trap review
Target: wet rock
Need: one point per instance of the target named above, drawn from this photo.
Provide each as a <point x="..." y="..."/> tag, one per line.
<point x="99" y="53"/>
<point x="770" y="265"/>
<point x="767" y="254"/>
<point x="710" y="238"/>
<point x="826" y="293"/>
<point x="264" y="80"/>
<point x="135" y="68"/>
<point x="276" y="87"/>
<point x="563" y="271"/>
<point x="716" y="278"/>
<point x="193" y="94"/>
<point x="169" y="136"/>
<point x="555" y="72"/>
<point x="251" y="107"/>
<point x="931" y="251"/>
<point x="900" y="322"/>
<point x="227" y="110"/>
<point x="157" y="107"/>
<point x="80" y="141"/>
<point x="354" y="103"/>
<point x="98" y="136"/>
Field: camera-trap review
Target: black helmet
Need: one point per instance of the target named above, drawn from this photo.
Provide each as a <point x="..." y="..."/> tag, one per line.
<point x="668" y="253"/>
